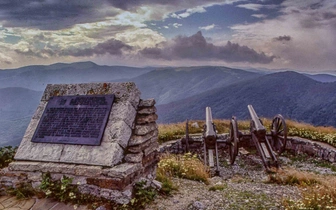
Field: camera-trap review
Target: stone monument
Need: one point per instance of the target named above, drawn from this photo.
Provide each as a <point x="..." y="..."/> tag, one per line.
<point x="100" y="134"/>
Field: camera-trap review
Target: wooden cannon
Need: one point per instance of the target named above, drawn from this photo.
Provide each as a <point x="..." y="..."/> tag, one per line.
<point x="269" y="146"/>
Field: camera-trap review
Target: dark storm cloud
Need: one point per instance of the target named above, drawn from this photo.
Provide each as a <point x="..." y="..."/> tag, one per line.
<point x="59" y="14"/>
<point x="50" y="14"/>
<point x="112" y="47"/>
<point x="131" y="4"/>
<point x="283" y="38"/>
<point x="196" y="47"/>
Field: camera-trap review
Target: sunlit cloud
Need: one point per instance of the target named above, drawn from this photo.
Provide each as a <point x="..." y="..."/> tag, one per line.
<point x="208" y="27"/>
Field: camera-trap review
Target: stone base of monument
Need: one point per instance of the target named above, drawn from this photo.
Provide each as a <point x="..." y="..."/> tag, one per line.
<point x="128" y="152"/>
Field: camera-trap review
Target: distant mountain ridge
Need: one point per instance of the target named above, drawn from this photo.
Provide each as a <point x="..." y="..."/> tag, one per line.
<point x="171" y="84"/>
<point x="37" y="77"/>
<point x="289" y="93"/>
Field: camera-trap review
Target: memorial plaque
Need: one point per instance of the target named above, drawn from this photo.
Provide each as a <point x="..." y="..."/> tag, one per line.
<point x="74" y="120"/>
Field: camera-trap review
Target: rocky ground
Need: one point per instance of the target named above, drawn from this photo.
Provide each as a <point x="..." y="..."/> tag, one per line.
<point x="241" y="186"/>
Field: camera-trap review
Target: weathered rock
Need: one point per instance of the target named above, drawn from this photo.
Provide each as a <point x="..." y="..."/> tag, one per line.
<point x="122" y="111"/>
<point x="134" y="158"/>
<point x="107" y="154"/>
<point x="142" y="130"/>
<point x="147" y="110"/>
<point x="143" y="119"/>
<point x="147" y="103"/>
<point x="137" y="140"/>
<point x="123" y="170"/>
<point x="152" y="147"/>
<point x="119" y="132"/>
<point x="139" y="148"/>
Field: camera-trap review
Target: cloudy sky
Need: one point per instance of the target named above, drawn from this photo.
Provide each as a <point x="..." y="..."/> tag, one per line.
<point x="296" y="34"/>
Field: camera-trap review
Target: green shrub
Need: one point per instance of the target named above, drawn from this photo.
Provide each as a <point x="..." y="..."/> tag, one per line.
<point x="7" y="155"/>
<point x="142" y="196"/>
<point x="22" y="191"/>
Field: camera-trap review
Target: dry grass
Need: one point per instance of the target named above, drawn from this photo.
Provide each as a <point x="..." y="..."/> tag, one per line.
<point x="318" y="191"/>
<point x="291" y="176"/>
<point x="184" y="166"/>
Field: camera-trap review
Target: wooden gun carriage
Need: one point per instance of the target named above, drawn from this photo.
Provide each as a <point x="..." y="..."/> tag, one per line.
<point x="269" y="145"/>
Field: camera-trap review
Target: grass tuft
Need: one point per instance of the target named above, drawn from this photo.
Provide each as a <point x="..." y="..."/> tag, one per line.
<point x="318" y="192"/>
<point x="186" y="166"/>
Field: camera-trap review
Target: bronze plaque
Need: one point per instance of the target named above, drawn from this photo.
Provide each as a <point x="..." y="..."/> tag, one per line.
<point x="74" y="120"/>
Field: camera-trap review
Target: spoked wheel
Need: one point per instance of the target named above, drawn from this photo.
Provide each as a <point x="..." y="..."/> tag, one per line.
<point x="233" y="144"/>
<point x="279" y="134"/>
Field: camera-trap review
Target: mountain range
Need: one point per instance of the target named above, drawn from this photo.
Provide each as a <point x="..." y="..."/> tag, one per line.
<point x="181" y="93"/>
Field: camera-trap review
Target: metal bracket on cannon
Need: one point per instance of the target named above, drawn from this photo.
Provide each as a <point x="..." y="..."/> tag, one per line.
<point x="269" y="146"/>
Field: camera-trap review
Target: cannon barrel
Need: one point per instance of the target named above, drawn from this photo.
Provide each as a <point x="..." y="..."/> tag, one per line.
<point x="256" y="121"/>
<point x="209" y="130"/>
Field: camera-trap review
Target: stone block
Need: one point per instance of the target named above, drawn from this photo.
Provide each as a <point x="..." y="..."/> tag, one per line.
<point x="147" y="110"/>
<point x="123" y="170"/>
<point x="142" y="130"/>
<point x="150" y="159"/>
<point x="137" y="140"/>
<point x="144" y="119"/>
<point x="107" y="154"/>
<point x="134" y="158"/>
<point x="108" y="183"/>
<point x="117" y="132"/>
<point x="147" y="103"/>
<point x="139" y="148"/>
<point x="24" y="166"/>
<point x="122" y="111"/>
<point x="89" y="171"/>
<point x="89" y="189"/>
<point x="58" y="168"/>
<point x="152" y="147"/>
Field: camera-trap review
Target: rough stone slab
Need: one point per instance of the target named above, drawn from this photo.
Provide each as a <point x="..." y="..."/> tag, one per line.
<point x="108" y="183"/>
<point x="24" y="166"/>
<point x="137" y="140"/>
<point x="152" y="147"/>
<point x="134" y="158"/>
<point x="38" y="151"/>
<point x="89" y="189"/>
<point x="150" y="159"/>
<point x="143" y="119"/>
<point x="34" y="176"/>
<point x="58" y="168"/>
<point x="147" y="110"/>
<point x="126" y="91"/>
<point x="123" y="170"/>
<point x="122" y="111"/>
<point x="147" y="103"/>
<point x="89" y="171"/>
<point x="142" y="130"/>
<point x="107" y="154"/>
<point x="118" y="132"/>
<point x="139" y="148"/>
